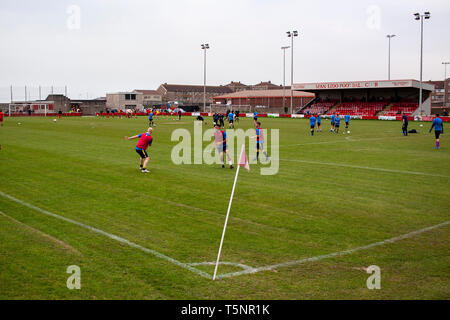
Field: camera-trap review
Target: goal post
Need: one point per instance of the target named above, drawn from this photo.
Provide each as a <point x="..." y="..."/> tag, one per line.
<point x="38" y="108"/>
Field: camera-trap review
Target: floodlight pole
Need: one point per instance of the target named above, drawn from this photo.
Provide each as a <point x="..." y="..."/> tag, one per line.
<point x="445" y="82"/>
<point x="284" y="74"/>
<point x="421" y="63"/>
<point x="204" y="46"/>
<point x="389" y="55"/>
<point x="420" y="17"/>
<point x="292" y="34"/>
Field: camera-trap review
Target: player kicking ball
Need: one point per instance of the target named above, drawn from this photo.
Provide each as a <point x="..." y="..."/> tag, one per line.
<point x="145" y="140"/>
<point x="347" y="122"/>
<point x="220" y="141"/>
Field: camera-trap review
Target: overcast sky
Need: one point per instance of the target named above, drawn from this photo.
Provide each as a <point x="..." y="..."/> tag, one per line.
<point x="119" y="45"/>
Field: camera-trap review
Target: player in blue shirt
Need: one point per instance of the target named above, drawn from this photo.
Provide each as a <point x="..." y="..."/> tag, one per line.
<point x="259" y="141"/>
<point x="319" y="120"/>
<point x="347" y="120"/>
<point x="337" y="121"/>
<point x="332" y="122"/>
<point x="150" y="119"/>
<point x="231" y="119"/>
<point x="312" y="123"/>
<point x="438" y="129"/>
<point x="220" y="142"/>
<point x="255" y="117"/>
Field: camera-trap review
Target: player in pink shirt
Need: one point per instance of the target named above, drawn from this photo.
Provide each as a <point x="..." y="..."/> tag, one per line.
<point x="145" y="140"/>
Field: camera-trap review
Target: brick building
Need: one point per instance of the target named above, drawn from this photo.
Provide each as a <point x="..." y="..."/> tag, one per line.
<point x="237" y="86"/>
<point x="87" y="106"/>
<point x="150" y="98"/>
<point x="125" y="100"/>
<point x="441" y="92"/>
<point x="190" y="94"/>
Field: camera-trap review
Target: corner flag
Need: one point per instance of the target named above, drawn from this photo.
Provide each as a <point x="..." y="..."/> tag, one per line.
<point x="243" y="162"/>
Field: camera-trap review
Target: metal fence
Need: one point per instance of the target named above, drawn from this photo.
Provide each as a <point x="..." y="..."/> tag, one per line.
<point x="29" y="93"/>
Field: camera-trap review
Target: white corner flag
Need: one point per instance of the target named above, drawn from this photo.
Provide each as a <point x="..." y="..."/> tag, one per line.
<point x="243" y="162"/>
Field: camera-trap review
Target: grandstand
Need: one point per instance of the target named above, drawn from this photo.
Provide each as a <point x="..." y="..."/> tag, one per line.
<point x="400" y="107"/>
<point x="320" y="107"/>
<point x="359" y="108"/>
<point x="368" y="98"/>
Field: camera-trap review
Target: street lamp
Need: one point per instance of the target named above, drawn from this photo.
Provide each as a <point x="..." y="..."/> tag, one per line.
<point x="389" y="36"/>
<point x="204" y="46"/>
<point x="292" y="34"/>
<point x="445" y="82"/>
<point x="284" y="74"/>
<point x="418" y="16"/>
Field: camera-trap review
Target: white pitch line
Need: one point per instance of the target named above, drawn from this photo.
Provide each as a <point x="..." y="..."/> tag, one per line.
<point x="331" y="255"/>
<point x="213" y="263"/>
<point x="366" y="168"/>
<point x="111" y="236"/>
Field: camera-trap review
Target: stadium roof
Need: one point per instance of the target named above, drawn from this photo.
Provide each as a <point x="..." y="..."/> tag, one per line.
<point x="278" y="93"/>
<point x="373" y="84"/>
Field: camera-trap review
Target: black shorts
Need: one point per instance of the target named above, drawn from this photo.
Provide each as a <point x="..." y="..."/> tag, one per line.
<point x="231" y="121"/>
<point x="437" y="133"/>
<point x="142" y="153"/>
<point x="312" y="127"/>
<point x="336" y="125"/>
<point x="255" y="118"/>
<point x="346" y="124"/>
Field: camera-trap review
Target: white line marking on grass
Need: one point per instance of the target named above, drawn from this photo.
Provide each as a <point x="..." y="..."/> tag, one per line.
<point x="46" y="236"/>
<point x="331" y="255"/>
<point x="213" y="263"/>
<point x="366" y="168"/>
<point x="111" y="236"/>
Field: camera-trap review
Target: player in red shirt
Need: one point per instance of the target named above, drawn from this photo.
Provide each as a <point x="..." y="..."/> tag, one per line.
<point x="145" y="140"/>
<point x="1" y="118"/>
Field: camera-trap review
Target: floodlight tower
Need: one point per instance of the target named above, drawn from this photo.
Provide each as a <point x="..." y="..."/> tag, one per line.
<point x="418" y="16"/>
<point x="204" y="46"/>
<point x="284" y="73"/>
<point x="292" y="34"/>
<point x="389" y="36"/>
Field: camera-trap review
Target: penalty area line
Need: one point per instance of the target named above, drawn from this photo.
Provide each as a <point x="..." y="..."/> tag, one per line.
<point x="111" y="236"/>
<point x="331" y="255"/>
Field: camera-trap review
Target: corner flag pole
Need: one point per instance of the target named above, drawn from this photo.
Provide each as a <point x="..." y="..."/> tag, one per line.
<point x="228" y="212"/>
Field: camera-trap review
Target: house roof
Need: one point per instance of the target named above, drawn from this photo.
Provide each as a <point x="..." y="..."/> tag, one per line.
<point x="196" y="88"/>
<point x="267" y="84"/>
<point x="147" y="92"/>
<point x="278" y="93"/>
<point x="236" y="84"/>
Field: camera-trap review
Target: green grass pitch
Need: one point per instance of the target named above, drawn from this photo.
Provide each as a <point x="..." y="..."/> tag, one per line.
<point x="333" y="192"/>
